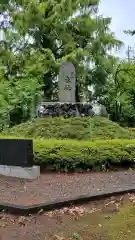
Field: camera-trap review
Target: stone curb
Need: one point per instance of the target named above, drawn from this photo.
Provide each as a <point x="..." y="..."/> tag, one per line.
<point x="57" y="204"/>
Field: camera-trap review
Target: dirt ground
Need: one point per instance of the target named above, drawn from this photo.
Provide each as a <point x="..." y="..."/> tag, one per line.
<point x="85" y="222"/>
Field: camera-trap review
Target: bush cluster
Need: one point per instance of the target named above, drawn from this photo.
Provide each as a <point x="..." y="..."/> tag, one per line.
<point x="72" y="155"/>
<point x="85" y="128"/>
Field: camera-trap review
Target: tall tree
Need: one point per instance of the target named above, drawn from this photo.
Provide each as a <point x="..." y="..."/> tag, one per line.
<point x="118" y="95"/>
<point x="56" y="30"/>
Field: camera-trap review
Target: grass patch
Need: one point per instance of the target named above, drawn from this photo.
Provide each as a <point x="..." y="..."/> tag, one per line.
<point x="85" y="228"/>
<point x="123" y="223"/>
<point x="72" y="128"/>
<point x="120" y="226"/>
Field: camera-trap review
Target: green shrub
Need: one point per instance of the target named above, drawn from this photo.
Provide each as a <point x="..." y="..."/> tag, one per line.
<point x="73" y="128"/>
<point x="72" y="155"/>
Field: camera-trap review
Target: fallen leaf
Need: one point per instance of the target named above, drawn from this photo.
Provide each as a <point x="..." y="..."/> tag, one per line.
<point x="22" y="221"/>
<point x="2" y="218"/>
<point x="58" y="238"/>
<point x="12" y="221"/>
<point x="3" y="225"/>
<point x="50" y="214"/>
<point x="117" y="205"/>
<point x="71" y="212"/>
<point x="65" y="209"/>
<point x="110" y="203"/>
<point x="40" y="211"/>
<point x="121" y="198"/>
<point x="100" y="225"/>
<point x="94" y="210"/>
<point x="132" y="198"/>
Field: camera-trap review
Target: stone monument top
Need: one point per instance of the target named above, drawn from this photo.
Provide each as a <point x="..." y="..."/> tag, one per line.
<point x="66" y="105"/>
<point x="67" y="83"/>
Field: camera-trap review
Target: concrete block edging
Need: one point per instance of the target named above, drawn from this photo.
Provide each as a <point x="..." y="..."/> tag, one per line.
<point x="57" y="204"/>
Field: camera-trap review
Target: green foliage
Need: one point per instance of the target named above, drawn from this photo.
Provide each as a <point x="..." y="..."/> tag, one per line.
<point x="39" y="35"/>
<point x="123" y="223"/>
<point x="73" y="155"/>
<point x="59" y="31"/>
<point x="130" y="32"/>
<point x="121" y="86"/>
<point x="76" y="236"/>
<point x="71" y="128"/>
<point x="17" y="101"/>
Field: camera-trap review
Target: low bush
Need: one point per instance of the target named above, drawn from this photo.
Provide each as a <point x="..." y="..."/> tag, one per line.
<point x="81" y="128"/>
<point x="72" y="155"/>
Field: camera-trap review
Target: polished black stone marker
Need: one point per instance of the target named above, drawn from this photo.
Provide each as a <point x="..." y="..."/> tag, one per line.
<point x="16" y="152"/>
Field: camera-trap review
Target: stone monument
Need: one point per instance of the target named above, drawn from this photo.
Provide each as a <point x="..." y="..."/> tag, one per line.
<point x="66" y="105"/>
<point x="67" y="83"/>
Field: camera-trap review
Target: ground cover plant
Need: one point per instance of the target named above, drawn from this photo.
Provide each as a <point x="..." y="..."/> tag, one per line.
<point x="80" y="128"/>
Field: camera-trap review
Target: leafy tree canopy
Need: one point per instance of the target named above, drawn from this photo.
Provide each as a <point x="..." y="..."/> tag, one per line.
<point x="39" y="35"/>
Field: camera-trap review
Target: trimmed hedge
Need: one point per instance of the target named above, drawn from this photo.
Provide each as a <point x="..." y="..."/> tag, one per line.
<point x="84" y="128"/>
<point x="73" y="155"/>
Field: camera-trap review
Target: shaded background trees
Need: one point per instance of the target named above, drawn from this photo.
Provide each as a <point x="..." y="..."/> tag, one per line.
<point x="38" y="36"/>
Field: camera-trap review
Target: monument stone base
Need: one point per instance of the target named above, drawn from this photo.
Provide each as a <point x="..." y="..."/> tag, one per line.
<point x="66" y="110"/>
<point x="20" y="172"/>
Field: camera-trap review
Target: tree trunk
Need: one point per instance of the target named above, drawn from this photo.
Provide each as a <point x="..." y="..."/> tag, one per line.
<point x="48" y="86"/>
<point x="77" y="95"/>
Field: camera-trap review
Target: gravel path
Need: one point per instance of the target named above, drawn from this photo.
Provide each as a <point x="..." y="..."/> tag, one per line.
<point x="50" y="187"/>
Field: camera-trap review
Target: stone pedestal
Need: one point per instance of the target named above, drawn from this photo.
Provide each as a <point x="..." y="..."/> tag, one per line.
<point x="20" y="172"/>
<point x="66" y="110"/>
<point x="67" y="106"/>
